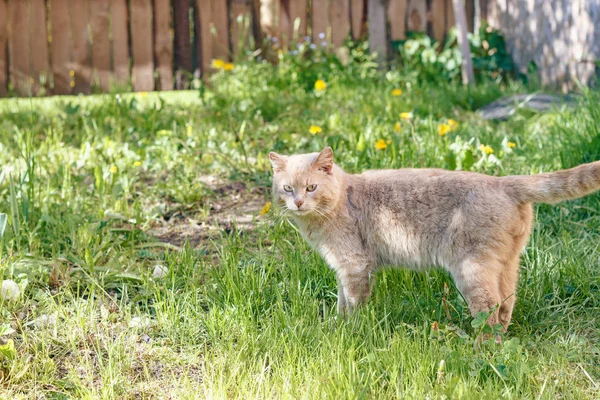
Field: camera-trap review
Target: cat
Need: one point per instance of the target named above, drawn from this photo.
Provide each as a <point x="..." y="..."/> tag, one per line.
<point x="475" y="226"/>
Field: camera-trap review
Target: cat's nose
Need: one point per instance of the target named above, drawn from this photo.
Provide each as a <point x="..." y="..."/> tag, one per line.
<point x="298" y="202"/>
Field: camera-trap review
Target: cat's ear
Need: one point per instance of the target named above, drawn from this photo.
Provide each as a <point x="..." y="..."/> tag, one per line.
<point x="324" y="161"/>
<point x="278" y="162"/>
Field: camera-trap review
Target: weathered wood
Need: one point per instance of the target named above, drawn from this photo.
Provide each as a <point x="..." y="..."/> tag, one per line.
<point x="61" y="46"/>
<point x="298" y="11"/>
<point x="340" y="21"/>
<point x="40" y="66"/>
<point x="18" y="43"/>
<point x="256" y="23"/>
<point x="461" y="26"/>
<point x="220" y="20"/>
<point x="438" y="20"/>
<point x="203" y="16"/>
<point x="241" y="12"/>
<point x="320" y="20"/>
<point x="470" y="9"/>
<point x="163" y="44"/>
<point x="182" y="48"/>
<point x="100" y="22"/>
<point x="357" y="14"/>
<point x="82" y="60"/>
<point x="417" y="16"/>
<point x="284" y="25"/>
<point x="3" y="48"/>
<point x="397" y="18"/>
<point x="450" y="22"/>
<point x="120" y="42"/>
<point x="142" y="74"/>
<point x="377" y="30"/>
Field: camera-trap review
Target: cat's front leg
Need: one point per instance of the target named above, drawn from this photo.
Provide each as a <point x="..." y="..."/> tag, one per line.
<point x="357" y="282"/>
<point x="341" y="302"/>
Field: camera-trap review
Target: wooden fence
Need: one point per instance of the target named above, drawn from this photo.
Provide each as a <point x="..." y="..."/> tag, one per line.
<point x="76" y="46"/>
<point x="80" y="46"/>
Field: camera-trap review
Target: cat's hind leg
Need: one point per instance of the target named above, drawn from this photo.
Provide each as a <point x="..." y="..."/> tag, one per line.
<point x="477" y="281"/>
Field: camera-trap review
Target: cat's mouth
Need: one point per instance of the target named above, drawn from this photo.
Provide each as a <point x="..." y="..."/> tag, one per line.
<point x="301" y="212"/>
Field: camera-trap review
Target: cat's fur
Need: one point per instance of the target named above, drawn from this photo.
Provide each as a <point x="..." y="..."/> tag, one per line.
<point x="473" y="225"/>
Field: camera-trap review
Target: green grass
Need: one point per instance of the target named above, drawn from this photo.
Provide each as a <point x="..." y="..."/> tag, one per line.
<point x="247" y="310"/>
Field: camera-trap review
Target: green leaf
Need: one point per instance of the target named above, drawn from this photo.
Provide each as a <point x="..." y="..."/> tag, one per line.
<point x="8" y="350"/>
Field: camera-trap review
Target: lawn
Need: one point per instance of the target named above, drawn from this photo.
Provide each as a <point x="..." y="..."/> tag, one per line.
<point x="150" y="264"/>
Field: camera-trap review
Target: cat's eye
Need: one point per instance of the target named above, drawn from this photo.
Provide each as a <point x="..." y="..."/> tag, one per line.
<point x="287" y="188"/>
<point x="311" y="188"/>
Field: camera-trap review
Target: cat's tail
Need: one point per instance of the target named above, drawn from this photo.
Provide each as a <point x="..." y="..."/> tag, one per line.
<point x="555" y="186"/>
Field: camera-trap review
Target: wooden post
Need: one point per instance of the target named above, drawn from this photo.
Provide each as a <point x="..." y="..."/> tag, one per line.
<point x="468" y="76"/>
<point x="377" y="30"/>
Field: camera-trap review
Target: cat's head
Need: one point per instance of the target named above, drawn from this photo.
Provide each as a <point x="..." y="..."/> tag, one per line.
<point x="306" y="184"/>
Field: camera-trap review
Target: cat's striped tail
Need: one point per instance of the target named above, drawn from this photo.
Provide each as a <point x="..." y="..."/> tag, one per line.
<point x="555" y="186"/>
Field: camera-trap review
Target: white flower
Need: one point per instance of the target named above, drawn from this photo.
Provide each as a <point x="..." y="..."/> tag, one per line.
<point x="10" y="290"/>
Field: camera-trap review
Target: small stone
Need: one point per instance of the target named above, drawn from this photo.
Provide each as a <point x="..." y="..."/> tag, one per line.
<point x="160" y="271"/>
<point x="10" y="290"/>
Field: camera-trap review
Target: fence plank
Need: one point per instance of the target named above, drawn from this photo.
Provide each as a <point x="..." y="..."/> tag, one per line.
<point x="119" y="16"/>
<point x="120" y="41"/>
<point x="220" y="19"/>
<point x="183" y="47"/>
<point x="40" y="67"/>
<point x="397" y="18"/>
<point x="142" y="74"/>
<point x="18" y="38"/>
<point x="320" y="19"/>
<point x="470" y="10"/>
<point x="80" y="42"/>
<point x="450" y="22"/>
<point x="377" y="30"/>
<point x="3" y="49"/>
<point x="357" y="14"/>
<point x="298" y="10"/>
<point x="99" y="22"/>
<point x="438" y="20"/>
<point x="284" y="26"/>
<point x="61" y="46"/>
<point x="163" y="45"/>
<point x="340" y="21"/>
<point x="417" y="16"/>
<point x="203" y="17"/>
<point x="240" y="30"/>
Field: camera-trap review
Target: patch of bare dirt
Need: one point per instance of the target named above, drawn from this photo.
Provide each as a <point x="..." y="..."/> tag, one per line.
<point x="233" y="205"/>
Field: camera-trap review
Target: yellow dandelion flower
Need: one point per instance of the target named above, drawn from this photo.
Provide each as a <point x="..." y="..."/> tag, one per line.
<point x="380" y="144"/>
<point x="443" y="129"/>
<point x="137" y="163"/>
<point x="72" y="73"/>
<point x="266" y="208"/>
<point x="113" y="169"/>
<point x="217" y="64"/>
<point x="486" y="149"/>
<point x="453" y="124"/>
<point x="314" y="129"/>
<point x="320" y="85"/>
<point x="512" y="145"/>
<point x="397" y="127"/>
<point x="188" y="130"/>
<point x="143" y="94"/>
<point x="406" y="116"/>
<point x="228" y="67"/>
<point x="396" y="92"/>
<point x="72" y="83"/>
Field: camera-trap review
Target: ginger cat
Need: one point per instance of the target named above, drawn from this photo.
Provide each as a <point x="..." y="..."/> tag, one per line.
<point x="473" y="225"/>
